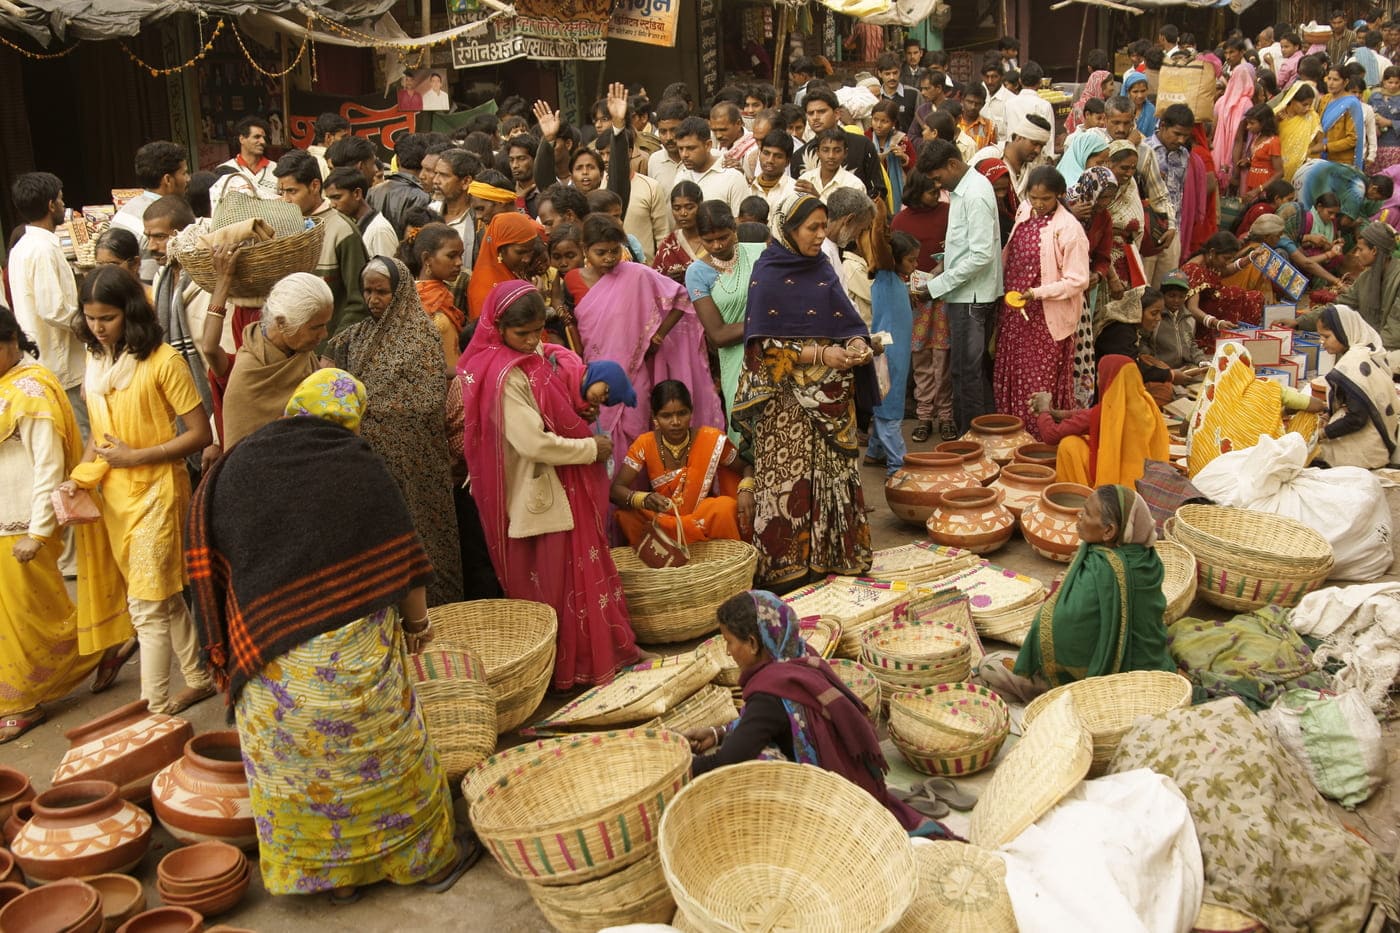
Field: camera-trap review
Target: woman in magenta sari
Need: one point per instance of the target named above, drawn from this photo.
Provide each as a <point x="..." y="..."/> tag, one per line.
<point x="538" y="481"/>
<point x="644" y="321"/>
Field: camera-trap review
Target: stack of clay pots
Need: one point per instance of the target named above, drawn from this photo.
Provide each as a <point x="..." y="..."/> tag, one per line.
<point x="208" y="877"/>
<point x="69" y="905"/>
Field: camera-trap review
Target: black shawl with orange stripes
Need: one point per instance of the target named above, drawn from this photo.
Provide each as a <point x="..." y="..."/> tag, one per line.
<point x="297" y="531"/>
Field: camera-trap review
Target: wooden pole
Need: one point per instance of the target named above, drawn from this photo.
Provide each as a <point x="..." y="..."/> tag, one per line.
<point x="780" y="78"/>
<point x="1079" y="56"/>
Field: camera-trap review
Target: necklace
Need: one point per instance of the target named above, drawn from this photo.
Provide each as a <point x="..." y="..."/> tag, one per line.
<point x="677" y="451"/>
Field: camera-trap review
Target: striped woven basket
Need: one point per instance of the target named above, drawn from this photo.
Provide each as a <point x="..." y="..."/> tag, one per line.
<point x="515" y="639"/>
<point x="950" y="729"/>
<point x="459" y="708"/>
<point x="636" y="894"/>
<point x="1246" y="560"/>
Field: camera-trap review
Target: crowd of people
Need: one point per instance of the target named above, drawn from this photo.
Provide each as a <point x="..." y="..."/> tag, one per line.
<point x="531" y="341"/>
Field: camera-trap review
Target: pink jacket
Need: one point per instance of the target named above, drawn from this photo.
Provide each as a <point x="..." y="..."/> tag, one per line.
<point x="1064" y="269"/>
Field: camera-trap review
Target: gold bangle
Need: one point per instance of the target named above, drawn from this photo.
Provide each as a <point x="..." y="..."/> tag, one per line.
<point x="639" y="501"/>
<point x="747" y="484"/>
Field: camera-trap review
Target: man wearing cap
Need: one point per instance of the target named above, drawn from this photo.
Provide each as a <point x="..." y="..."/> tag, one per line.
<point x="1029" y="136"/>
<point x="1174" y="340"/>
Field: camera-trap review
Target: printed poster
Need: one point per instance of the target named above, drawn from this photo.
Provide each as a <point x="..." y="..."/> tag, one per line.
<point x="652" y="22"/>
<point x="375" y="117"/>
<point x="571" y="29"/>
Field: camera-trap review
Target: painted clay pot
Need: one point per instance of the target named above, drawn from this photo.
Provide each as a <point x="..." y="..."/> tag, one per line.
<point x="20" y="814"/>
<point x="204" y="795"/>
<point x="1000" y="435"/>
<point x="127" y="747"/>
<point x="973" y="519"/>
<point x="912" y="491"/>
<point x="14" y="788"/>
<point x="1022" y="484"/>
<point x="1040" y="454"/>
<point x="975" y="459"/>
<point x="81" y="828"/>
<point x="1051" y="523"/>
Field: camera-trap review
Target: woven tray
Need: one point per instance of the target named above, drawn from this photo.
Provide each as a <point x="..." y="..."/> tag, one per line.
<point x="671" y="604"/>
<point x="961" y="889"/>
<point x="638" y="693"/>
<point x="515" y="640"/>
<point x="992" y="590"/>
<point x="712" y="705"/>
<point x="458" y="705"/>
<point x="1179" y="579"/>
<point x="822" y="634"/>
<point x="855" y="602"/>
<point x="636" y="894"/>
<point x="919" y="562"/>
<point x="1013" y="625"/>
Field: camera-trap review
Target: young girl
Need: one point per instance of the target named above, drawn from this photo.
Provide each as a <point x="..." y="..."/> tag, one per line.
<point x="1361" y="424"/>
<point x="1299" y="129"/>
<point x="436" y="262"/>
<point x="1268" y="199"/>
<point x="1318" y="233"/>
<point x="895" y="148"/>
<point x="1386" y="102"/>
<point x="1264" y="163"/>
<point x="675" y="253"/>
<point x="137" y="387"/>
<point x="565" y="250"/>
<point x="603" y="201"/>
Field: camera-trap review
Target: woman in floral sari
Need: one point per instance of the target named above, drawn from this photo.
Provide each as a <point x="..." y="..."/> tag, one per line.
<point x="682" y="246"/>
<point x="1213" y="303"/>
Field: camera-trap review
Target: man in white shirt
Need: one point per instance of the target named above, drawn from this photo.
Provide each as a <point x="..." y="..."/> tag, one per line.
<point x="1020" y="152"/>
<point x="1030" y="102"/>
<point x="830" y="172"/>
<point x="162" y="168"/>
<point x="702" y="167"/>
<point x="453" y="174"/>
<point x="345" y="188"/>
<point x="330" y="129"/>
<point x="664" y="163"/>
<point x="250" y="162"/>
<point x="999" y="96"/>
<point x="42" y="285"/>
<point x="772" y="181"/>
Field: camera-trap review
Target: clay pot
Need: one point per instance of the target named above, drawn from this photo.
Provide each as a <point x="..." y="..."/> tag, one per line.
<point x="973" y="519"/>
<point x="14" y="788"/>
<point x="204" y="794"/>
<point x="164" y="920"/>
<point x="912" y="491"/>
<point x="122" y="898"/>
<point x="1039" y="454"/>
<point x="1022" y="484"/>
<point x="1000" y="435"/>
<point x="20" y="814"/>
<point x="127" y="747"/>
<point x="9" y="871"/>
<point x="213" y="900"/>
<point x="9" y="890"/>
<point x="197" y="868"/>
<point x="69" y="906"/>
<point x="1051" y="523"/>
<point x="81" y="828"/>
<point x="975" y="459"/>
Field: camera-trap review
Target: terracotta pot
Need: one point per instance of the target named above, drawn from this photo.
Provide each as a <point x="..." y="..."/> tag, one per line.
<point x="14" y="788"/>
<point x="1000" y="435"/>
<point x="122" y="898"/>
<point x="912" y="491"/>
<point x="9" y="890"/>
<point x="164" y="920"/>
<point x="1040" y="454"/>
<point x="20" y="814"/>
<point x="213" y="901"/>
<point x="1051" y="523"/>
<point x="204" y="795"/>
<point x="1022" y="484"/>
<point x="81" y="828"/>
<point x="9" y="871"/>
<point x="973" y="519"/>
<point x="203" y="865"/>
<point x="127" y="747"/>
<point x="975" y="459"/>
<point x="68" y="905"/>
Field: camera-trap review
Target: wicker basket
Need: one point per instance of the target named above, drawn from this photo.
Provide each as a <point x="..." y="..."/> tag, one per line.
<point x="1179" y="580"/>
<point x="459" y="707"/>
<point x="913" y="645"/>
<point x="712" y="705"/>
<point x="671" y="604"/>
<point x="573" y="810"/>
<point x="1246" y="560"/>
<point x="961" y="889"/>
<point x="860" y="682"/>
<point x="1107" y="706"/>
<point x="1216" y="918"/>
<point x="1012" y="625"/>
<point x="260" y="265"/>
<point x="637" y="694"/>
<point x="515" y="639"/>
<point x="822" y="634"/>
<point x="919" y="562"/>
<point x="855" y="603"/>
<point x="766" y="845"/>
<point x="951" y="729"/>
<point x="636" y="894"/>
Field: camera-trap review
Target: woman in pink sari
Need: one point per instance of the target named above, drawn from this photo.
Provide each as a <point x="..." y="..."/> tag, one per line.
<point x="539" y="484"/>
<point x="1230" y="109"/>
<point x="644" y="321"/>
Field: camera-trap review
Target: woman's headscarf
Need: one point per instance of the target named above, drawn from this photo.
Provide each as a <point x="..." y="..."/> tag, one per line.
<point x="1082" y="146"/>
<point x="1092" y="183"/>
<point x="1348" y="104"/>
<point x="1092" y="88"/>
<point x="1349" y="185"/>
<point x="1365" y="369"/>
<point x="1126" y="428"/>
<point x="620" y="391"/>
<point x="790" y="215"/>
<point x="1147" y="117"/>
<point x="1295" y="134"/>
<point x="332" y="394"/>
<point x="778" y="627"/>
<point x="503" y="230"/>
<point x="992" y="169"/>
<point x="1125" y="509"/>
<point x="1380" y="236"/>
<point x="1229" y="112"/>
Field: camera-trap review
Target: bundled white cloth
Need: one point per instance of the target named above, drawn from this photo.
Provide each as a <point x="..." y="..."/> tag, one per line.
<point x="1119" y="855"/>
<point x="1360" y="627"/>
<point x="1346" y="505"/>
<point x="857" y="102"/>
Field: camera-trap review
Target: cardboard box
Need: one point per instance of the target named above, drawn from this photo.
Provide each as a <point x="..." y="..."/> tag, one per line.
<point x="1279" y="312"/>
<point x="1264" y="350"/>
<point x="1272" y="375"/>
<point x="1325" y="362"/>
<point x="1309" y="352"/>
<point x="1295" y="374"/>
<point x="1285" y="336"/>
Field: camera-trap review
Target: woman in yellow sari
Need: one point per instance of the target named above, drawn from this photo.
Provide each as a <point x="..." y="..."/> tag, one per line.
<point x="1111" y="442"/>
<point x="1299" y="126"/>
<point x="684" y="466"/>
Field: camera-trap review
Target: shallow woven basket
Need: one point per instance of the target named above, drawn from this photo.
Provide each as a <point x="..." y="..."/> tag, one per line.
<point x="861" y="682"/>
<point x="1246" y="560"/>
<point x="670" y="604"/>
<point x="637" y="694"/>
<point x="854" y="603"/>
<point x="260" y="265"/>
<point x="951" y="729"/>
<point x="1216" y="918"/>
<point x="961" y="889"/>
<point x="572" y="810"/>
<point x="913" y="645"/>
<point x="459" y="707"/>
<point x="515" y="640"/>
<point x="1179" y="579"/>
<point x="822" y="634"/>
<point x="636" y="894"/>
<point x="1107" y="706"/>
<point x="712" y="705"/>
<point x="766" y="845"/>
<point x="919" y="562"/>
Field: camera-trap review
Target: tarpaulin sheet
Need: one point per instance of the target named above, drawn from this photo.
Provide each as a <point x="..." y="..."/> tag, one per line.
<point x="57" y="22"/>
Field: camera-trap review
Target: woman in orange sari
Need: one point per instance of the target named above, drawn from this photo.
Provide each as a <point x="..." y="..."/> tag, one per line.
<point x="507" y="251"/>
<point x="684" y="467"/>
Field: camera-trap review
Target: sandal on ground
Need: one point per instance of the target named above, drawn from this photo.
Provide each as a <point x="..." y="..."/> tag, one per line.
<point x="111" y="664"/>
<point x="468" y="854"/>
<point x="17" y="724"/>
<point x="947" y="792"/>
<point x="947" y="430"/>
<point x="922" y="803"/>
<point x="187" y="698"/>
<point x="922" y="432"/>
<point x="343" y="900"/>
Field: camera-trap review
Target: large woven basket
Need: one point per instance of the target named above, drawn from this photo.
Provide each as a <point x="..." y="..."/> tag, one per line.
<point x="951" y="729"/>
<point x="861" y="682"/>
<point x="1178" y="580"/>
<point x="1107" y="706"/>
<point x="913" y="645"/>
<point x="822" y="634"/>
<point x="569" y="811"/>
<point x="670" y="604"/>
<point x="961" y="889"/>
<point x="459" y="707"/>
<point x="1246" y="560"/>
<point x="260" y="266"/>
<point x="767" y="845"/>
<point x="636" y="894"/>
<point x="515" y="639"/>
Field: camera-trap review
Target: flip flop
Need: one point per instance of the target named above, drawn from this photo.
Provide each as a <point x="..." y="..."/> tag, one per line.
<point x="946" y="791"/>
<point x="20" y="723"/>
<point x="111" y="664"/>
<point x="187" y="698"/>
<point x="469" y="851"/>
<point x="923" y="804"/>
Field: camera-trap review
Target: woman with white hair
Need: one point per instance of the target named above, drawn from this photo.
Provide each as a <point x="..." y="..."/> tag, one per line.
<point x="275" y="353"/>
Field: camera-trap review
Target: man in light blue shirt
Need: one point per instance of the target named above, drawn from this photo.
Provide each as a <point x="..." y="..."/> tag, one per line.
<point x="970" y="283"/>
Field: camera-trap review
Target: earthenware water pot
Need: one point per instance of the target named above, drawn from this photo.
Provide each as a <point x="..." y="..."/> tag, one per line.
<point x="912" y="490"/>
<point x="81" y="828"/>
<point x="9" y="871"/>
<point x="19" y="815"/>
<point x="127" y="747"/>
<point x="973" y="519"/>
<point x="14" y="788"/>
<point x="1040" y="454"/>
<point x="1000" y="435"/>
<point x="975" y="460"/>
<point x="1022" y="484"/>
<point x="204" y="794"/>
<point x="1051" y="523"/>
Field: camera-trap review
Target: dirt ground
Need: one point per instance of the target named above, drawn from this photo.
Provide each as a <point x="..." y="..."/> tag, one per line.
<point x="485" y="899"/>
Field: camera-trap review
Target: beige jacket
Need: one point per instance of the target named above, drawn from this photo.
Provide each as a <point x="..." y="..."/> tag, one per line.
<point x="535" y="500"/>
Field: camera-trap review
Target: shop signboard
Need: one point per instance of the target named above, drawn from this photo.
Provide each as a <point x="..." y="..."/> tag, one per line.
<point x="652" y="22"/>
<point x="541" y="30"/>
<point x="375" y="117"/>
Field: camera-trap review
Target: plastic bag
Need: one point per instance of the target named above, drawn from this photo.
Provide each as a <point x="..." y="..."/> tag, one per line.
<point x="1336" y="737"/>
<point x="1346" y="505"/>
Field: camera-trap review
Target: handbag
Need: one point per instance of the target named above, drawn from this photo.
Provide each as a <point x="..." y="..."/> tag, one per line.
<point x="77" y="509"/>
<point x="659" y="549"/>
<point x="1157" y="225"/>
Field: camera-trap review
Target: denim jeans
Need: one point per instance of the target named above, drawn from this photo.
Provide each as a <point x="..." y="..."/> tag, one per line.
<point x="887" y="440"/>
<point x="969" y="327"/>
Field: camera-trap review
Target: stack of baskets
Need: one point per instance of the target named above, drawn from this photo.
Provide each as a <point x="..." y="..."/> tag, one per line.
<point x="1178" y="580"/>
<point x="459" y="707"/>
<point x="1246" y="560"/>
<point x="514" y="639"/>
<point x="860" y="682"/>
<point x="950" y="729"/>
<point x="912" y="654"/>
<point x="577" y="820"/>
<point x="671" y="604"/>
